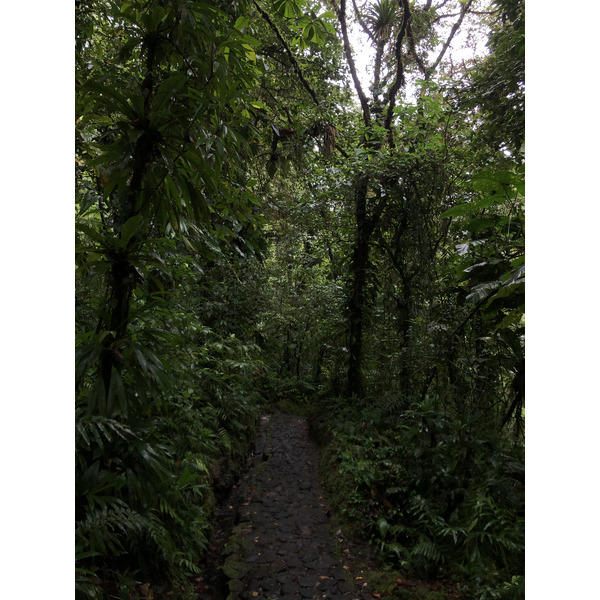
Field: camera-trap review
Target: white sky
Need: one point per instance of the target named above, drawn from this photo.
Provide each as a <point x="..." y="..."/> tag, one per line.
<point x="364" y="52"/>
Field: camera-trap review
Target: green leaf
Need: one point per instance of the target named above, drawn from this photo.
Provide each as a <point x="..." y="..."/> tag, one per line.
<point x="460" y="210"/>
<point x="187" y="478"/>
<point x="250" y="53"/>
<point x="92" y="233"/>
<point x="471" y="208"/>
<point x="465" y="248"/>
<point x="308" y="32"/>
<point x="477" y="225"/>
<point x="104" y="95"/>
<point x="116" y="390"/>
<point x="383" y="526"/>
<point x="474" y="267"/>
<point x="515" y="276"/>
<point x="288" y="8"/>
<point x="241" y="23"/>
<point x="196" y="205"/>
<point x="151" y="21"/>
<point x="482" y="291"/>
<point x="168" y="88"/>
<point x="129" y="229"/>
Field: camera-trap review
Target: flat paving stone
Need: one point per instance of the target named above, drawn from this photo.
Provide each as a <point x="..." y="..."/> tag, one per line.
<point x="288" y="542"/>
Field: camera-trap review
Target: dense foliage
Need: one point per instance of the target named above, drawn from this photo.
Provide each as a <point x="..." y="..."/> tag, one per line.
<point x="248" y="229"/>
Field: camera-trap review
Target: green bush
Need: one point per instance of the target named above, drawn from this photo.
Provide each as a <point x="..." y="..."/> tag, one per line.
<point x="437" y="494"/>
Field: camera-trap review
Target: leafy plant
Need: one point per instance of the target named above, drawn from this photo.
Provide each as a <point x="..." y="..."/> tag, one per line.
<point x="436" y="494"/>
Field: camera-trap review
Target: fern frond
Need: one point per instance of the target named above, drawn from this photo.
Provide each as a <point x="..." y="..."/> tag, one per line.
<point x="100" y="429"/>
<point x="104" y="529"/>
<point x="224" y="439"/>
<point x="429" y="550"/>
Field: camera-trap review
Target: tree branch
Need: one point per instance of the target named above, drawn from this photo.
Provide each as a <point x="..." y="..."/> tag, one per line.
<point x="413" y="49"/>
<point x="399" y="80"/>
<point x="362" y="23"/>
<point x="455" y="28"/>
<point x="479" y="13"/>
<point x="439" y="6"/>
<point x="288" y="51"/>
<point x="350" y="60"/>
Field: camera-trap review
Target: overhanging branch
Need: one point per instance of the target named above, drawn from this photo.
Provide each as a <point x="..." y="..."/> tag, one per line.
<point x="455" y="28"/>
<point x="399" y="79"/>
<point x="362" y="23"/>
<point x="364" y="103"/>
<point x="288" y="51"/>
<point x="413" y="49"/>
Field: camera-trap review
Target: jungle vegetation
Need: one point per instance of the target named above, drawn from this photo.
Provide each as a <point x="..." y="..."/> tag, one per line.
<point x="258" y="219"/>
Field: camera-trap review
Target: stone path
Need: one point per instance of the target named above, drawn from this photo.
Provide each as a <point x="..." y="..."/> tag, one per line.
<point x="282" y="548"/>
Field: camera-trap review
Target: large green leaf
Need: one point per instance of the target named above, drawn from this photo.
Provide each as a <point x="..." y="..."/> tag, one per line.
<point x="129" y="229"/>
<point x="474" y="207"/>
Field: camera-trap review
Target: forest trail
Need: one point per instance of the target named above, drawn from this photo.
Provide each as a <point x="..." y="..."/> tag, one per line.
<point x="284" y="549"/>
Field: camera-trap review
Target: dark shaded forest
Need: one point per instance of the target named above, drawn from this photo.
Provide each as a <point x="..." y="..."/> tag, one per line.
<point x="262" y="226"/>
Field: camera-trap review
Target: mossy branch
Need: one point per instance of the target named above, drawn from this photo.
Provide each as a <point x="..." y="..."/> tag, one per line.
<point x="288" y="51"/>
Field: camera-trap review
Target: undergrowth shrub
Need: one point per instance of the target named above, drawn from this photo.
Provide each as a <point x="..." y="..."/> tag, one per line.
<point x="149" y="465"/>
<point x="438" y="494"/>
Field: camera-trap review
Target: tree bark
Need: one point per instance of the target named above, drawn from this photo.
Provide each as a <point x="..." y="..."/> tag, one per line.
<point x="360" y="260"/>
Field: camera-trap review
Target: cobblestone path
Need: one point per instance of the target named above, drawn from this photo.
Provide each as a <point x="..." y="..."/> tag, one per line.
<point x="284" y="549"/>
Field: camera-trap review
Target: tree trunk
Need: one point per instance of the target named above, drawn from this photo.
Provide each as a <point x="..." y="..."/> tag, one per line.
<point x="360" y="259"/>
<point x="121" y="286"/>
<point x="121" y="281"/>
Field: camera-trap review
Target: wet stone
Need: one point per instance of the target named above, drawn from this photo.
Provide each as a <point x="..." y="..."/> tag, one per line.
<point x="338" y="573"/>
<point x="269" y="555"/>
<point x="278" y="565"/>
<point x="344" y="587"/>
<point x="261" y="572"/>
<point x="290" y="587"/>
<point x="321" y="564"/>
<point x="309" y="580"/>
<point x="327" y="584"/>
<point x="282" y="577"/>
<point x="269" y="585"/>
<point x="288" y="543"/>
<point x="293" y="560"/>
<point x="310" y="554"/>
